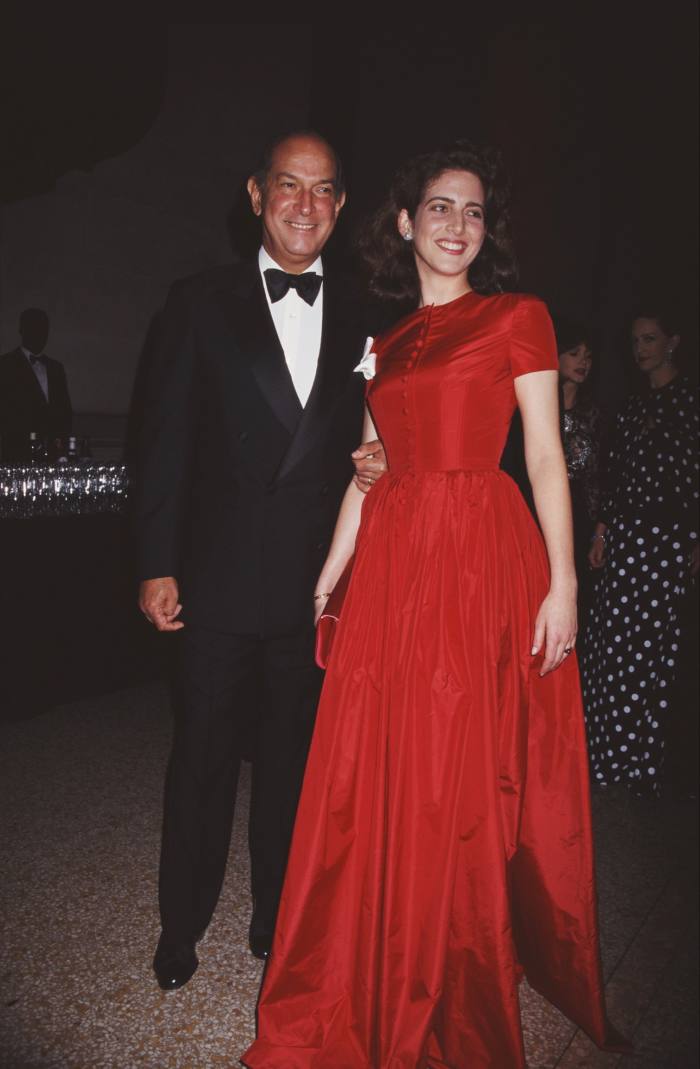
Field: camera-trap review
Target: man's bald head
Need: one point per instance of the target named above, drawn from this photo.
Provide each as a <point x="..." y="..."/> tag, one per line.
<point x="266" y="163"/>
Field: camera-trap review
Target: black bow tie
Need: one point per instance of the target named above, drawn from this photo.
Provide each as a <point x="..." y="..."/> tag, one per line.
<point x="280" y="282"/>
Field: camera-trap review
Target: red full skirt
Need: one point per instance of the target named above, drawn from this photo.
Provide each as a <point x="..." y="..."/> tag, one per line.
<point x="443" y="841"/>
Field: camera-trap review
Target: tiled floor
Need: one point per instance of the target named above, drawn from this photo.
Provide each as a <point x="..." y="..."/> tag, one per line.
<point x="80" y="808"/>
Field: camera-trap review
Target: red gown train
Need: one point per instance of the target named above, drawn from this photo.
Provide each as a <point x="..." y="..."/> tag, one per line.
<point x="443" y="842"/>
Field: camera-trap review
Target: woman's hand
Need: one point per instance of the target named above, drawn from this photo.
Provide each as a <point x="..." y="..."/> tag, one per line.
<point x="596" y="554"/>
<point x="370" y="464"/>
<point x="555" y="629"/>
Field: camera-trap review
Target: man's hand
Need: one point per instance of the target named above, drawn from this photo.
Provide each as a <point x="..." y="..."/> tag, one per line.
<point x="158" y="601"/>
<point x="370" y="464"/>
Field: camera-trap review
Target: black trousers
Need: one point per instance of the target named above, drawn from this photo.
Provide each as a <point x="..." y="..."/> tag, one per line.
<point x="231" y="691"/>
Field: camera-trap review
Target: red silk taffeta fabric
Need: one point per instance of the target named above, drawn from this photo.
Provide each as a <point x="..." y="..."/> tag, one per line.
<point x="443" y="840"/>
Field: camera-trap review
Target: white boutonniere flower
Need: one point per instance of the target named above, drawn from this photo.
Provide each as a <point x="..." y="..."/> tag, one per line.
<point x="368" y="363"/>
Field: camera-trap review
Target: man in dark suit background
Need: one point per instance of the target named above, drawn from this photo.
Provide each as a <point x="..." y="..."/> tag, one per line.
<point x="251" y="415"/>
<point x="33" y="390"/>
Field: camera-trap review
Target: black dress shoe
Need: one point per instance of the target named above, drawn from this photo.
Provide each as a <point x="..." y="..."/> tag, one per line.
<point x="174" y="963"/>
<point x="260" y="946"/>
<point x="259" y="937"/>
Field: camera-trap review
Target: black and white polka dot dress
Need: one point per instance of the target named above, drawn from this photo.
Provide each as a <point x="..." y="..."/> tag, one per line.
<point x="583" y="437"/>
<point x="631" y="643"/>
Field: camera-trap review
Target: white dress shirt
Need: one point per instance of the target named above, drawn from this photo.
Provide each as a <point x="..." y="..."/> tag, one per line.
<point x="298" y="327"/>
<point x="39" y="369"/>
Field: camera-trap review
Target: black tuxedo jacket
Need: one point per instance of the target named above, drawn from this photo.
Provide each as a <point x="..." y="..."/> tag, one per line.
<point x="238" y="487"/>
<point x="23" y="407"/>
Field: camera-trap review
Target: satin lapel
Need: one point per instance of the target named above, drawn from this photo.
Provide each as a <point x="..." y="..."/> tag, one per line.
<point x="341" y="349"/>
<point x="254" y="332"/>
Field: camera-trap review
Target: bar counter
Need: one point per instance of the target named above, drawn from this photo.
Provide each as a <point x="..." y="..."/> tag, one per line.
<point x="69" y="625"/>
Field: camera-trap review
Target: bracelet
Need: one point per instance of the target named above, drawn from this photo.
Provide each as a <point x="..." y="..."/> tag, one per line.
<point x="319" y="597"/>
<point x="600" y="536"/>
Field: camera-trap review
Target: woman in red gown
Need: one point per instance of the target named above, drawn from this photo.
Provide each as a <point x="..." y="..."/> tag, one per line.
<point x="443" y="843"/>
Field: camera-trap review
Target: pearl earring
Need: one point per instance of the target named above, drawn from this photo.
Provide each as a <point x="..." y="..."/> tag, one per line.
<point x="407" y="235"/>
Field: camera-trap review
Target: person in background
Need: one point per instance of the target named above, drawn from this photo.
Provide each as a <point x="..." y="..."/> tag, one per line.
<point x="33" y="390"/>
<point x="582" y="435"/>
<point x="645" y="544"/>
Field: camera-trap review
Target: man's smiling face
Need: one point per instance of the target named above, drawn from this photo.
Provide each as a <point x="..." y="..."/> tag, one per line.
<point x="298" y="202"/>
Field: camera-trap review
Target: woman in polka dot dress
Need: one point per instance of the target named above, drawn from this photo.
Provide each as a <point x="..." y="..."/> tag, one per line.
<point x="646" y="542"/>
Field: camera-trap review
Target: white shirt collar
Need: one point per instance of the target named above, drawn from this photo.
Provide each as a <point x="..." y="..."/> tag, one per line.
<point x="29" y="355"/>
<point x="265" y="261"/>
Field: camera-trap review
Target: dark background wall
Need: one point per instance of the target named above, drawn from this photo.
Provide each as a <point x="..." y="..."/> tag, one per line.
<point x="595" y="109"/>
<point x="98" y="244"/>
<point x="127" y="145"/>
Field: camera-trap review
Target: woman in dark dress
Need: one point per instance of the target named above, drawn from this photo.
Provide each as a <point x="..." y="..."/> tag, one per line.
<point x="582" y="435"/>
<point x="442" y="848"/>
<point x="646" y="545"/>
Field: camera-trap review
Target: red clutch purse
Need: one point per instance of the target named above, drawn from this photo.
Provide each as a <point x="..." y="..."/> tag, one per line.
<point x="328" y="620"/>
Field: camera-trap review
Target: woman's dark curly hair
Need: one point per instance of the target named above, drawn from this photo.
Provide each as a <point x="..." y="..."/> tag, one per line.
<point x="390" y="259"/>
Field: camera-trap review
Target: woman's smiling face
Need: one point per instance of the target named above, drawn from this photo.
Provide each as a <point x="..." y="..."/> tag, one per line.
<point x="449" y="228"/>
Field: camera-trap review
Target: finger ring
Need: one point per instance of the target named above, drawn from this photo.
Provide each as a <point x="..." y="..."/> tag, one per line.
<point x="568" y="649"/>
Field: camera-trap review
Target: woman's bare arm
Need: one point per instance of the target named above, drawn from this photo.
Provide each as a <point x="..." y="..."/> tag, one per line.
<point x="343" y="542"/>
<point x="555" y="628"/>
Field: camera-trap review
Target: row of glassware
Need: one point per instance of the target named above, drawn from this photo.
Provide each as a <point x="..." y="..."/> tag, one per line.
<point x="62" y="490"/>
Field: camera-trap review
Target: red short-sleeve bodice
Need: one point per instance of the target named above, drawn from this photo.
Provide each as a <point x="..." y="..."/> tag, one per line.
<point x="443" y="394"/>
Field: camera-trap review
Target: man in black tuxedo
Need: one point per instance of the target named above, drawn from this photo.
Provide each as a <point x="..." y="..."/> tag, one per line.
<point x="252" y="413"/>
<point x="33" y="390"/>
